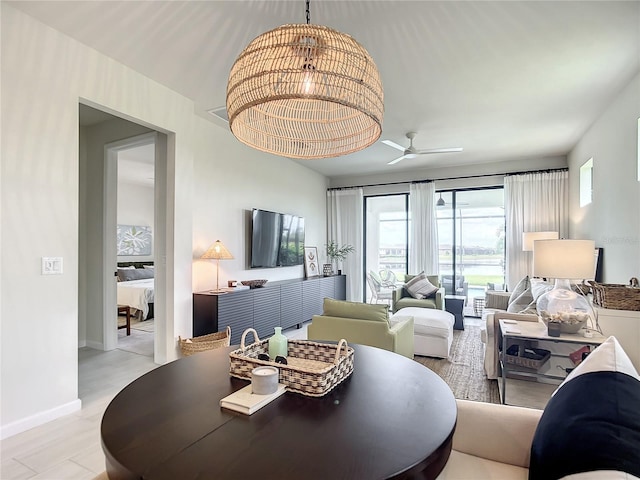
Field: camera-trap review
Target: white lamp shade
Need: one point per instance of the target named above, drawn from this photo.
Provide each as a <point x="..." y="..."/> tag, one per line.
<point x="529" y="237"/>
<point x="571" y="259"/>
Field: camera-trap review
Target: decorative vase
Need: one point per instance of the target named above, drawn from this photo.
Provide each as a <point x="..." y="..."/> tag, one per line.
<point x="327" y="269"/>
<point x="277" y="344"/>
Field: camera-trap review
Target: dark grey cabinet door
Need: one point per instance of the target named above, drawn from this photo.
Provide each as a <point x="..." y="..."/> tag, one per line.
<point x="236" y="310"/>
<point x="311" y="300"/>
<point x="341" y="287"/>
<point x="327" y="287"/>
<point x="266" y="310"/>
<point x="290" y="305"/>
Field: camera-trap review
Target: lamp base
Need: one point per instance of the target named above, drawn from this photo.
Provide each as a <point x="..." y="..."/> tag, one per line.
<point x="565" y="307"/>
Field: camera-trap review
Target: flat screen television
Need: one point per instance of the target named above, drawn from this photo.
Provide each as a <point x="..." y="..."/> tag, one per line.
<point x="277" y="239"/>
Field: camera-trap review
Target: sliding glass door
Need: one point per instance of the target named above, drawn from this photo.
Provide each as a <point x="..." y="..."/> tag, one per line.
<point x="386" y="227"/>
<point x="471" y="227"/>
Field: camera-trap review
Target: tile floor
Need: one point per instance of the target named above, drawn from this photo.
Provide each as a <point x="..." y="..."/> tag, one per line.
<point x="69" y="448"/>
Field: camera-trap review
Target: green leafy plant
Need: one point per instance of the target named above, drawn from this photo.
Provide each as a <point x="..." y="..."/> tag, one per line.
<point x="338" y="253"/>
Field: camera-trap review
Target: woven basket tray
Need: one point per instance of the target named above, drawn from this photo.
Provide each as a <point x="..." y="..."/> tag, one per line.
<point x="205" y="342"/>
<point x="312" y="369"/>
<point x="533" y="363"/>
<point x="615" y="296"/>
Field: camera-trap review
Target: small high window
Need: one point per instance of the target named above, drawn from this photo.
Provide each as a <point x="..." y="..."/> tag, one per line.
<point x="586" y="183"/>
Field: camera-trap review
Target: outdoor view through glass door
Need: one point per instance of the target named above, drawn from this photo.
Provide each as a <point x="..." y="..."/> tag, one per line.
<point x="471" y="237"/>
<point x="386" y="219"/>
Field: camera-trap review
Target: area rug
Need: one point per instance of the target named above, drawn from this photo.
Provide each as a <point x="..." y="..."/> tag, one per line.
<point x="463" y="371"/>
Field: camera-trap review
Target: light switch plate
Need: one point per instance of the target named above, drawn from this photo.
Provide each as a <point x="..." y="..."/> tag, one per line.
<point x="51" y="265"/>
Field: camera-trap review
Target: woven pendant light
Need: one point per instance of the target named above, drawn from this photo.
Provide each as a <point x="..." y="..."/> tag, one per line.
<point x="305" y="91"/>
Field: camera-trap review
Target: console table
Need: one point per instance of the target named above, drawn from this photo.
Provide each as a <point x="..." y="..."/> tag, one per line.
<point x="392" y="418"/>
<point x="278" y="304"/>
<point x="522" y="333"/>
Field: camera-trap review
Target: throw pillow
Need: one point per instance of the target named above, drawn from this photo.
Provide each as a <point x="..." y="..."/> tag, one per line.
<point x="126" y="274"/>
<point x="522" y="285"/>
<point x="420" y="286"/>
<point x="539" y="287"/>
<point x="592" y="422"/>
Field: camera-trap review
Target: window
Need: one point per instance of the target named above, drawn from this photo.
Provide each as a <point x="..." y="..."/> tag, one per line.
<point x="471" y="236"/>
<point x="586" y="183"/>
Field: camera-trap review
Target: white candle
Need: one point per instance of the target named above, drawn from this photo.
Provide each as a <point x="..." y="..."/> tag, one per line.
<point x="264" y="380"/>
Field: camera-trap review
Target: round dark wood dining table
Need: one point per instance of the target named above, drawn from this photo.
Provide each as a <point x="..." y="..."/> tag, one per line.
<point x="391" y="418"/>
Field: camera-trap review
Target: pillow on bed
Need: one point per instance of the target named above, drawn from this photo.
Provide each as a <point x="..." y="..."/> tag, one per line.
<point x="128" y="274"/>
<point x="148" y="267"/>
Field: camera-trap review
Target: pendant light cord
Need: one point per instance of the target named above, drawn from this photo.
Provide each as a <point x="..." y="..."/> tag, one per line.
<point x="308" y="13"/>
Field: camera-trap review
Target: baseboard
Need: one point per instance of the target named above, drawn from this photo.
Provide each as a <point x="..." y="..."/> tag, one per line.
<point x="38" y="419"/>
<point x="82" y="344"/>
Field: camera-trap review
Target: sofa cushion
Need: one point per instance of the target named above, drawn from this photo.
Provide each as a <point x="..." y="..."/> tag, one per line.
<point x="405" y="302"/>
<point x="592" y="422"/>
<point x="420" y="286"/>
<point x="360" y="311"/>
<point x="465" y="466"/>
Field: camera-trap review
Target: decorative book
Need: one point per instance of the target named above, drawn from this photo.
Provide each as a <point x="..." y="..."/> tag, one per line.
<point x="244" y="401"/>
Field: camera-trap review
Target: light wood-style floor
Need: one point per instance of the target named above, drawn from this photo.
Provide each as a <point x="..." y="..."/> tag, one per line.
<point x="69" y="448"/>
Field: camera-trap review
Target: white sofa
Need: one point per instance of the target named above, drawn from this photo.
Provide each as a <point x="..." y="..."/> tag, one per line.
<point x="491" y="442"/>
<point x="490" y="336"/>
<point x="510" y="443"/>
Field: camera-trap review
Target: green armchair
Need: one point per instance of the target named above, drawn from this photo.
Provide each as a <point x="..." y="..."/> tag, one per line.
<point x="364" y="324"/>
<point x="402" y="298"/>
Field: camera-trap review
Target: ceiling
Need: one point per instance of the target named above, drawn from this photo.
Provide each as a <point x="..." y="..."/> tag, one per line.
<point x="505" y="80"/>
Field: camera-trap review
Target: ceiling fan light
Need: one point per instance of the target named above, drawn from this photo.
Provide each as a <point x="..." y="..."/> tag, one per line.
<point x="305" y="91"/>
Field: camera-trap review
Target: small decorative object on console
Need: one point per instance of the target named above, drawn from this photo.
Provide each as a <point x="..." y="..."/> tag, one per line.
<point x="254" y="283"/>
<point x="277" y="344"/>
<point x="327" y="269"/>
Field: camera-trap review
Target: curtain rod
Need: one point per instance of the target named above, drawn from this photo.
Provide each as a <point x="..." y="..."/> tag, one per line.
<point x="506" y="174"/>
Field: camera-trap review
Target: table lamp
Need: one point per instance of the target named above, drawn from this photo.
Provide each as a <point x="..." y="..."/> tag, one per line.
<point x="564" y="260"/>
<point x="218" y="252"/>
<point x="529" y="237"/>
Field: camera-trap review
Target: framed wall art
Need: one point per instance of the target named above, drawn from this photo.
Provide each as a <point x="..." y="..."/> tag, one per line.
<point x="311" y="268"/>
<point x="133" y="240"/>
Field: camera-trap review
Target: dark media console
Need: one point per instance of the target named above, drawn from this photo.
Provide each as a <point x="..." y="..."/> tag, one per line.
<point x="278" y="304"/>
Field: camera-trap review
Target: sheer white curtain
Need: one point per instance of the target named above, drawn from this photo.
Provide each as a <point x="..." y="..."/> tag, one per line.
<point x="344" y="226"/>
<point x="423" y="230"/>
<point x="534" y="202"/>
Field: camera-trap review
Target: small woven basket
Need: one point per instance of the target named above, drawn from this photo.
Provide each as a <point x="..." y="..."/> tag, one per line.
<point x="312" y="369"/>
<point x="532" y="363"/>
<point x="205" y="342"/>
<point x="615" y="296"/>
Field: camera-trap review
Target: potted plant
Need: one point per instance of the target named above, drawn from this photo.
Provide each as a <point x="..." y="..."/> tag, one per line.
<point x="336" y="254"/>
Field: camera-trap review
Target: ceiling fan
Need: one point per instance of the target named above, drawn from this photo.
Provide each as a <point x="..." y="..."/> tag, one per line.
<point x="411" y="151"/>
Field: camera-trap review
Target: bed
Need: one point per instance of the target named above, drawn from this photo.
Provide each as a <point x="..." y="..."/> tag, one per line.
<point x="136" y="287"/>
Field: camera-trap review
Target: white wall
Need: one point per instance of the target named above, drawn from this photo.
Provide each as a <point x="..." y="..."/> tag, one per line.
<point x="613" y="217"/>
<point x="135" y="207"/>
<point x="212" y="179"/>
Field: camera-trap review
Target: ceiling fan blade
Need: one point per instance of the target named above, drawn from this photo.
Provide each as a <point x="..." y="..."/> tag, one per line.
<point x="394" y="145"/>
<point x="393" y="162"/>
<point x="440" y="150"/>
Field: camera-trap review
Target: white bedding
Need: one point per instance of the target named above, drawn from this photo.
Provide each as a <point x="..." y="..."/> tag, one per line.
<point x="137" y="294"/>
